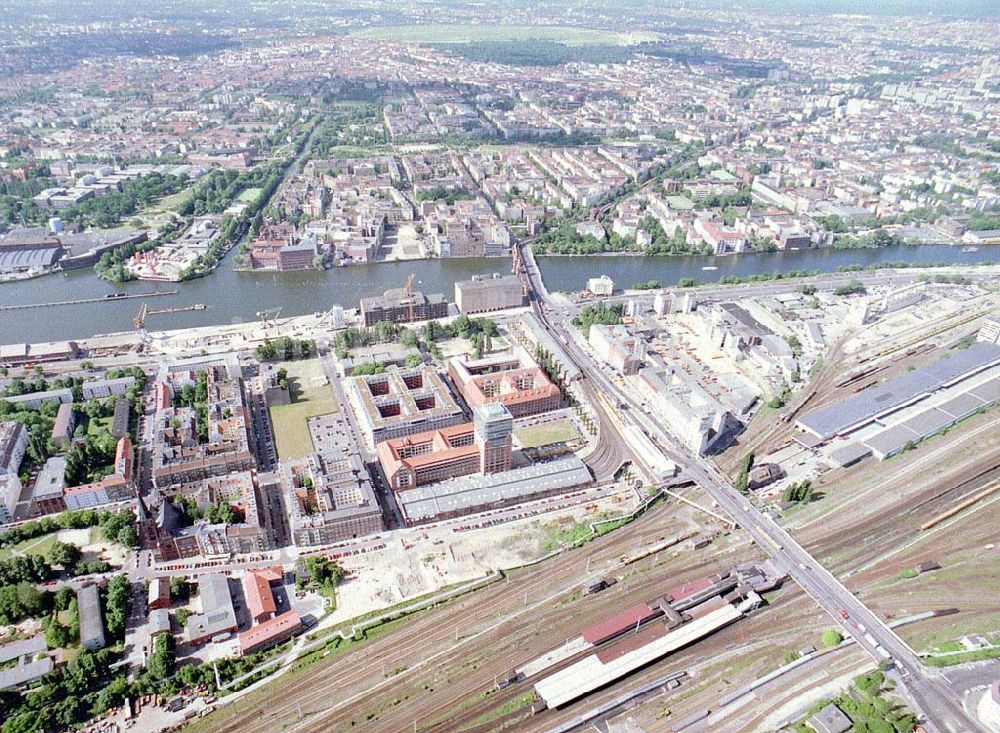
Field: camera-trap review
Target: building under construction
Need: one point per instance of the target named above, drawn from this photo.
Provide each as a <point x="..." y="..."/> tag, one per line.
<point x="402" y="305"/>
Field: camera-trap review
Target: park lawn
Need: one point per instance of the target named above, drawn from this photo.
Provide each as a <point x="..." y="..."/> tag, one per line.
<point x="34" y="546"/>
<point x="474" y="33"/>
<point x="249" y="195"/>
<point x="291" y="431"/>
<point x="172" y="202"/>
<point x="558" y="431"/>
<point x="98" y="425"/>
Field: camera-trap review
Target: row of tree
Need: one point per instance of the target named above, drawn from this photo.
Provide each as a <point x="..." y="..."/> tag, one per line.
<point x="285" y="349"/>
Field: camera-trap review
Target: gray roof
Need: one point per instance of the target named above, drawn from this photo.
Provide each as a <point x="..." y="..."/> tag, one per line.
<point x="891" y="440"/>
<point x="218" y="614"/>
<point x="22" y="648"/>
<point x="91" y="619"/>
<point x="550" y="345"/>
<point x="23" y="259"/>
<point x="830" y="719"/>
<point x="870" y="403"/>
<point x="928" y="422"/>
<point x="159" y="620"/>
<point x="468" y="493"/>
<point x="62" y="395"/>
<point x="987" y="391"/>
<point x="850" y="453"/>
<point x="51" y="479"/>
<point x="961" y="405"/>
<point x="20" y="674"/>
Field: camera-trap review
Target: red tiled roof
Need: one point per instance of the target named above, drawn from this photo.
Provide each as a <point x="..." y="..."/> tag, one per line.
<point x="271" y="629"/>
<point x="260" y="601"/>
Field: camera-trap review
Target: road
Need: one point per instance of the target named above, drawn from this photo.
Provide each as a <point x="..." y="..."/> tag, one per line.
<point x="931" y="697"/>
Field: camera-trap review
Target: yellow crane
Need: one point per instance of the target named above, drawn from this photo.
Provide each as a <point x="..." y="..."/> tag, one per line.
<point x="140" y="318"/>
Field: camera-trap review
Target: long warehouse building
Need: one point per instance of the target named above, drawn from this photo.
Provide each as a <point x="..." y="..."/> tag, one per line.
<point x="870" y="404"/>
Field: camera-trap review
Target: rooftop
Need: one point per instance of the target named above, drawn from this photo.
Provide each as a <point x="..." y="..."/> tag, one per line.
<point x="470" y="492"/>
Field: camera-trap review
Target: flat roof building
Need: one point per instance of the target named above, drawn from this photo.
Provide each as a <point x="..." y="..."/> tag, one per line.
<point x="34" y="400"/>
<point x="101" y="388"/>
<point x="483" y="294"/>
<point x="477" y="493"/>
<point x="19" y="354"/>
<point x="911" y="387"/>
<point x="47" y="493"/>
<point x="830" y="719"/>
<point x="615" y="346"/>
<point x="400" y="402"/>
<point x="217" y="613"/>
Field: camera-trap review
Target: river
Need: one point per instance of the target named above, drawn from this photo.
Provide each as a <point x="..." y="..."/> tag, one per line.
<point x="236" y="297"/>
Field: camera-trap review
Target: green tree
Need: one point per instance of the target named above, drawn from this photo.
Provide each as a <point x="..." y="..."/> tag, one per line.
<point x="831" y="638"/>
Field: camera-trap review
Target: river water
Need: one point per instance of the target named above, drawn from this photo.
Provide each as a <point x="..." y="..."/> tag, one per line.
<point x="236" y="297"/>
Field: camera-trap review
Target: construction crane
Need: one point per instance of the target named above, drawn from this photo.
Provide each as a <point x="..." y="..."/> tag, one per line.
<point x="140" y="318"/>
<point x="409" y="294"/>
<point x="271" y="314"/>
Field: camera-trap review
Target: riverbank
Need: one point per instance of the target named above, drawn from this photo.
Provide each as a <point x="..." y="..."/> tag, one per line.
<point x="236" y="297"/>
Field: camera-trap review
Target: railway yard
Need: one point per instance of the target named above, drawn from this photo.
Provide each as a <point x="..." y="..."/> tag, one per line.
<point x="526" y="652"/>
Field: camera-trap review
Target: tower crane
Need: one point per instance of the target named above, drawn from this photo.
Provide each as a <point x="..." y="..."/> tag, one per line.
<point x="409" y="294"/>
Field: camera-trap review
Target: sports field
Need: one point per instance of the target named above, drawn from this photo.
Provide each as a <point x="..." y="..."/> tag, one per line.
<point x="496" y="33"/>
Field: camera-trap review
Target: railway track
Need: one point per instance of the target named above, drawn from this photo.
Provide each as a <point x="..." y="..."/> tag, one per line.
<point x="357" y="673"/>
<point x="874" y="534"/>
<point x="651" y="587"/>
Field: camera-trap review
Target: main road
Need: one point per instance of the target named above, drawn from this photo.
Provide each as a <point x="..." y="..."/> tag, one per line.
<point x="930" y="695"/>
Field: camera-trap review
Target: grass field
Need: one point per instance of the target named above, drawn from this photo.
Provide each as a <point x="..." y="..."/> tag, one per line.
<point x="98" y="425"/>
<point x="249" y="195"/>
<point x="680" y="203"/>
<point x="310" y="397"/>
<point x="172" y="202"/>
<point x="472" y="33"/>
<point x="35" y="546"/>
<point x="559" y="431"/>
